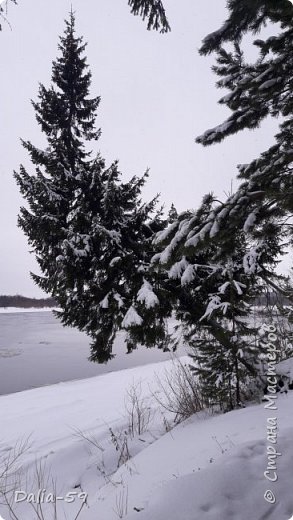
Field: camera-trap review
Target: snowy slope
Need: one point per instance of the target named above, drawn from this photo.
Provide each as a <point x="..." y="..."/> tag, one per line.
<point x="207" y="468"/>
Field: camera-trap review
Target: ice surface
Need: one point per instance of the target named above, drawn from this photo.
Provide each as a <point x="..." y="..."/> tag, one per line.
<point x="36" y="350"/>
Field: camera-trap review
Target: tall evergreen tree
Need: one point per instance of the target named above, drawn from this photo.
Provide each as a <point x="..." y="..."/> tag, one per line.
<point x="90" y="232"/>
<point x="260" y="212"/>
<point x="212" y="300"/>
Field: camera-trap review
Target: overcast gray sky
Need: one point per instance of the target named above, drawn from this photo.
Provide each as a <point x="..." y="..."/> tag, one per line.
<point x="157" y="95"/>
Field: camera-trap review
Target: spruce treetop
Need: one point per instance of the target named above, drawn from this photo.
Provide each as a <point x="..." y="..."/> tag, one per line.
<point x="64" y="111"/>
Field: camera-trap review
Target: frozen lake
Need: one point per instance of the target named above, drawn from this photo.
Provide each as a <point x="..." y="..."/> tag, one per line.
<point x="36" y="350"/>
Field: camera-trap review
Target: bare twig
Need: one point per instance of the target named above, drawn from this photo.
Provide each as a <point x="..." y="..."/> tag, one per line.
<point x="121" y="508"/>
<point x="138" y="411"/>
<point x="179" y="391"/>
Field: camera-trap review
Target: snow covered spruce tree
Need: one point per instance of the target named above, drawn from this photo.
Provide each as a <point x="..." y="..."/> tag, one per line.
<point x="213" y="302"/>
<point x="91" y="233"/>
<point x="232" y="250"/>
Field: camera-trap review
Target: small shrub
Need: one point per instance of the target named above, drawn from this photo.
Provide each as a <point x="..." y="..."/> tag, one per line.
<point x="179" y="391"/>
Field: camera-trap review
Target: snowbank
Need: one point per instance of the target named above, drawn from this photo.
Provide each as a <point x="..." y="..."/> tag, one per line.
<point x="207" y="468"/>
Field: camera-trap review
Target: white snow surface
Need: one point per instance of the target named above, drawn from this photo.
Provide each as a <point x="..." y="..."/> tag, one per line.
<point x="210" y="467"/>
<point x="11" y="310"/>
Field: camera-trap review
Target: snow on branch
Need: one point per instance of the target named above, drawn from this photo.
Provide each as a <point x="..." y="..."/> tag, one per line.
<point x="147" y="296"/>
<point x="178" y="268"/>
<point x="131" y="318"/>
<point x="251" y="260"/>
<point x="215" y="304"/>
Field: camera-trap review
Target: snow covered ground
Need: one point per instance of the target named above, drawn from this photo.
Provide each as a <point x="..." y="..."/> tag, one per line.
<point x="207" y="468"/>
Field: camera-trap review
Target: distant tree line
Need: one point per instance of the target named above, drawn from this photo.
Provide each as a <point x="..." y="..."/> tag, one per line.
<point x="26" y="303"/>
